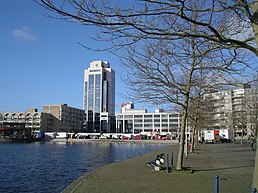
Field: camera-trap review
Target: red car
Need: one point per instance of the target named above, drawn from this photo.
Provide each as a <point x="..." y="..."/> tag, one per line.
<point x="137" y="137"/>
<point x="125" y="138"/>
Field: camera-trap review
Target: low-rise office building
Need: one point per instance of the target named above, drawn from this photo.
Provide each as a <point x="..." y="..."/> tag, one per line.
<point x="135" y="121"/>
<point x="54" y="118"/>
<point x="65" y="118"/>
<point x="29" y="120"/>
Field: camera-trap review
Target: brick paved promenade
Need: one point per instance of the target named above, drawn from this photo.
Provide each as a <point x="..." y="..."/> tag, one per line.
<point x="233" y="163"/>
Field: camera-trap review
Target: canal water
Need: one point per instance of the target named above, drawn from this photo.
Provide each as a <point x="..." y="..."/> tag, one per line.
<point x="51" y="167"/>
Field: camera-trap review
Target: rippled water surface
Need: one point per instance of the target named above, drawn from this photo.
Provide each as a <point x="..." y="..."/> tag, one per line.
<point x="49" y="167"/>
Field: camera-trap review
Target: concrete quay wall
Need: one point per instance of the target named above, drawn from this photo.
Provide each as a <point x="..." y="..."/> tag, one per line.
<point x="115" y="141"/>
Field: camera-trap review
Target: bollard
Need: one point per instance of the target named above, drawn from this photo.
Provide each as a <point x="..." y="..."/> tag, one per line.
<point x="167" y="164"/>
<point x="216" y="184"/>
<point x="172" y="160"/>
<point x="254" y="190"/>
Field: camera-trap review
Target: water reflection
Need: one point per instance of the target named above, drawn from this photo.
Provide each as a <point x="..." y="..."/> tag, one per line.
<point x="49" y="168"/>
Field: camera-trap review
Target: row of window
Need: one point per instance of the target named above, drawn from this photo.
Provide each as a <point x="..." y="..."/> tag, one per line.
<point x="156" y="125"/>
<point x="175" y="116"/>
<point x="150" y="130"/>
<point x="18" y="118"/>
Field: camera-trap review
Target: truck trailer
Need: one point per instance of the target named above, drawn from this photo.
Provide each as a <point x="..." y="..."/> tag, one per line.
<point x="226" y="135"/>
<point x="218" y="135"/>
<point x="209" y="136"/>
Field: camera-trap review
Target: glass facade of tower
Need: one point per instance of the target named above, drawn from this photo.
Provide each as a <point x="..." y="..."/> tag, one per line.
<point x="91" y="93"/>
<point x="105" y="96"/>
<point x="97" y="93"/>
<point x="99" y="97"/>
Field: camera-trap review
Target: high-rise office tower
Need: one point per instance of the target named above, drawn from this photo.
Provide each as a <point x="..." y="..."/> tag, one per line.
<point x="99" y="97"/>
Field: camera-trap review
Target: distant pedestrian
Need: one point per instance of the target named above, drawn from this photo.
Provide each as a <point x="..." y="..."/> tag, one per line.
<point x="253" y="142"/>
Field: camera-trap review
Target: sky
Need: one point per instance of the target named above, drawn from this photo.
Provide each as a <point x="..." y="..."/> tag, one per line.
<point x="41" y="61"/>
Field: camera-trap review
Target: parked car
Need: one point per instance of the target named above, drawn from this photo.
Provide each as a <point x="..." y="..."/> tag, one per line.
<point x="115" y="136"/>
<point x="103" y="137"/>
<point x="137" y="137"/>
<point x="125" y="137"/>
<point x="161" y="137"/>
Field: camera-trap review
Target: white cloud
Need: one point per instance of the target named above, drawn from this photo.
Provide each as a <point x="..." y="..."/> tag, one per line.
<point x="24" y="33"/>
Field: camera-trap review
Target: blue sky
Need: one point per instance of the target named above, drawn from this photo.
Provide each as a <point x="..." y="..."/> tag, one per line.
<point x="41" y="61"/>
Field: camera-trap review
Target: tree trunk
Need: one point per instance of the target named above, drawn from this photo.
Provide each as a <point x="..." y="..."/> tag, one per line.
<point x="255" y="178"/>
<point x="255" y="29"/>
<point x="185" y="110"/>
<point x="180" y="156"/>
<point x="193" y="140"/>
<point x="196" y="138"/>
<point x="242" y="133"/>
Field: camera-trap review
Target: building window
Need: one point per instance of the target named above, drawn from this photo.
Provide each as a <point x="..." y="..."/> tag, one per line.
<point x="105" y="96"/>
<point x="97" y="93"/>
<point x="173" y="115"/>
<point x="91" y="92"/>
<point x="85" y="95"/>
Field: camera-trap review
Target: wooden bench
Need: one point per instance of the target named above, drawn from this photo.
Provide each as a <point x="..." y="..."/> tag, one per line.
<point x="159" y="163"/>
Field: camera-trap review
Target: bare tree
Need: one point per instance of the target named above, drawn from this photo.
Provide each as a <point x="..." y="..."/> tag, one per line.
<point x="195" y="116"/>
<point x="165" y="71"/>
<point x="198" y="111"/>
<point x="229" y="24"/>
<point x="226" y="25"/>
<point x="204" y="109"/>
